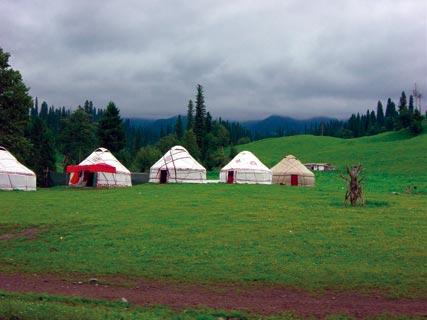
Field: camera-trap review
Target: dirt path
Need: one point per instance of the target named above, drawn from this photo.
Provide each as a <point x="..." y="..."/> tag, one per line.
<point x="257" y="299"/>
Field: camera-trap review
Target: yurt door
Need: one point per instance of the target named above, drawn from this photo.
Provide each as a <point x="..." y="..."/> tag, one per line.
<point x="294" y="180"/>
<point x="163" y="176"/>
<point x="230" y="177"/>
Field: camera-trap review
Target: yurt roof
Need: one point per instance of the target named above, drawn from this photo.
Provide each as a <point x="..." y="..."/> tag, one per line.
<point x="178" y="158"/>
<point x="291" y="165"/>
<point x="245" y="160"/>
<point x="9" y="164"/>
<point x="103" y="155"/>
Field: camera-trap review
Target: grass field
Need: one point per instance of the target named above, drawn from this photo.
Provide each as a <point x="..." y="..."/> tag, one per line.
<point x="302" y="237"/>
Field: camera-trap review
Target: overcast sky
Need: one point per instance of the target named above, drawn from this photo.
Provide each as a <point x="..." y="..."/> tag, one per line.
<point x="254" y="58"/>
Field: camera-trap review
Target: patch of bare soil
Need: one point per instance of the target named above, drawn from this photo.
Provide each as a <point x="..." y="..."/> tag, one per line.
<point x="29" y="234"/>
<point x="265" y="300"/>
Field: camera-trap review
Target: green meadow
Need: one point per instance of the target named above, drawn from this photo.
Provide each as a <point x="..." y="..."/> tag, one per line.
<point x="215" y="233"/>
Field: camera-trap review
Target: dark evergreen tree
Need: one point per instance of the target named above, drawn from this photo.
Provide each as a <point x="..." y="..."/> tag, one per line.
<point x="403" y="102"/>
<point x="380" y="115"/>
<point x="372" y="121"/>
<point x="411" y="104"/>
<point x="179" y="131"/>
<point x="78" y="137"/>
<point x="404" y="118"/>
<point x="200" y="119"/>
<point x="15" y="104"/>
<point x="390" y="115"/>
<point x="42" y="151"/>
<point x="44" y="110"/>
<point x="110" y="129"/>
<point x="190" y="115"/>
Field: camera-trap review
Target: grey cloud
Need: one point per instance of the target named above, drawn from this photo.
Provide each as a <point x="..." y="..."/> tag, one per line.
<point x="254" y="58"/>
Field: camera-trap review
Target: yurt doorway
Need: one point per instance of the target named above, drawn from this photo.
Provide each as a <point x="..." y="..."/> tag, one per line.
<point x="89" y="179"/>
<point x="230" y="177"/>
<point x="163" y="176"/>
<point x="294" y="180"/>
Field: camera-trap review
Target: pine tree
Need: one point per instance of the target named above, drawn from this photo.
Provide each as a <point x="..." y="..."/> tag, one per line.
<point x="380" y="115"/>
<point x="199" y="120"/>
<point x="190" y="115"/>
<point x="44" y="110"/>
<point x="372" y="128"/>
<point x="42" y="150"/>
<point x="404" y="115"/>
<point x="402" y="100"/>
<point x="15" y="104"/>
<point x="179" y="131"/>
<point x="111" y="134"/>
<point x="390" y="115"/>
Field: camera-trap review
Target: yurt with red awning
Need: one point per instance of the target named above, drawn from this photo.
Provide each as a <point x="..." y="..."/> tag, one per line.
<point x="100" y="169"/>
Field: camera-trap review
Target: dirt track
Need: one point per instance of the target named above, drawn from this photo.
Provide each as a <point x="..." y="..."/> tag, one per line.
<point x="257" y="299"/>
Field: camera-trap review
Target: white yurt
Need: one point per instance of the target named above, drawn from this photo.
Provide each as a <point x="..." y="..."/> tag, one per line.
<point x="177" y="166"/>
<point x="290" y="171"/>
<point x="245" y="168"/>
<point x="13" y="174"/>
<point x="100" y="169"/>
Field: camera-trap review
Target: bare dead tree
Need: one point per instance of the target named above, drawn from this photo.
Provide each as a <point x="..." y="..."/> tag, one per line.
<point x="354" y="193"/>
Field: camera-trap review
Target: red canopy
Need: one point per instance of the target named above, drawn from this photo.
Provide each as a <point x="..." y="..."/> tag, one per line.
<point x="101" y="167"/>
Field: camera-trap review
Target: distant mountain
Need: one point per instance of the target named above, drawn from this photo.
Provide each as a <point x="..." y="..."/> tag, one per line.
<point x="279" y="126"/>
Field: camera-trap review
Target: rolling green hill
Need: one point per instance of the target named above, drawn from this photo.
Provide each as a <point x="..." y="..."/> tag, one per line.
<point x="395" y="153"/>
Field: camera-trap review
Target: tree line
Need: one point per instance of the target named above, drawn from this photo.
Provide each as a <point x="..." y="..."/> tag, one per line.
<point x="405" y="116"/>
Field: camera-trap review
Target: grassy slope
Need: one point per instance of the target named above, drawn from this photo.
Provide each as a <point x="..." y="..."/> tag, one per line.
<point x="394" y="153"/>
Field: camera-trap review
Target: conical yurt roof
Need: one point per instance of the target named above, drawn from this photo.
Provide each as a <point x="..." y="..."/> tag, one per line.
<point x="178" y="158"/>
<point x="245" y="160"/>
<point x="9" y="164"/>
<point x="291" y="165"/>
<point x="103" y="155"/>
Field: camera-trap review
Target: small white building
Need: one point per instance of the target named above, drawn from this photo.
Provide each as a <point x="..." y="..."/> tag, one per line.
<point x="319" y="166"/>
